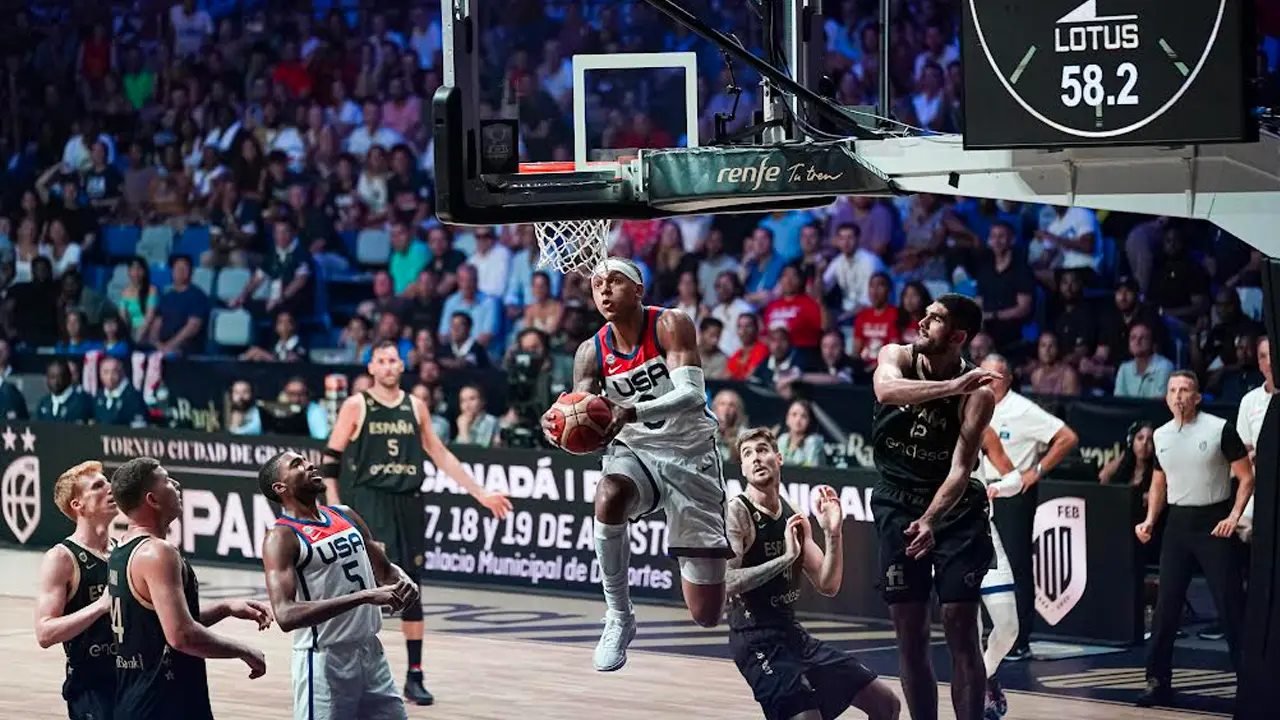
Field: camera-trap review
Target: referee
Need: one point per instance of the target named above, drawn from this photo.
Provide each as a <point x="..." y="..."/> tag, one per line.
<point x="1196" y="456"/>
<point x="1036" y="441"/>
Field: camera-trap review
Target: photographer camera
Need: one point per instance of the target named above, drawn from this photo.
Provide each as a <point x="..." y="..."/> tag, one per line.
<point x="528" y="366"/>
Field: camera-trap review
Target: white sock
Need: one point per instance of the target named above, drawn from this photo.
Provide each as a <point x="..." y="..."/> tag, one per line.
<point x="613" y="550"/>
<point x="1003" y="609"/>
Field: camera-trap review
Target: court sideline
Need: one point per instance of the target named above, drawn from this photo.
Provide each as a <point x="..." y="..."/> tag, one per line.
<point x="494" y="656"/>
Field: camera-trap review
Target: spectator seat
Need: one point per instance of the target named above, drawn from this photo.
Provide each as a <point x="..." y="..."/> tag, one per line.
<point x="373" y="247"/>
<point x="193" y="242"/>
<point x="230" y="283"/>
<point x="120" y="241"/>
<point x="203" y="278"/>
<point x="156" y="244"/>
<point x="231" y="328"/>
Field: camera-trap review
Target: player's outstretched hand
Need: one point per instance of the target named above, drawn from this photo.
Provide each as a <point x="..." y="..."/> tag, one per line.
<point x="407" y="591"/>
<point x="256" y="661"/>
<point x="975" y="379"/>
<point x="830" y="512"/>
<point x="797" y="533"/>
<point x="920" y="533"/>
<point x="254" y="610"/>
<point x="497" y="503"/>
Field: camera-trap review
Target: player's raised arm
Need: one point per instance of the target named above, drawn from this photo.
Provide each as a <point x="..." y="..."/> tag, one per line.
<point x="279" y="553"/>
<point x="741" y="532"/>
<point x="447" y="463"/>
<point x="976" y="415"/>
<point x="825" y="568"/>
<point x="892" y="387"/>
<point x="56" y="571"/>
<point x="344" y="427"/>
<point x="159" y="571"/>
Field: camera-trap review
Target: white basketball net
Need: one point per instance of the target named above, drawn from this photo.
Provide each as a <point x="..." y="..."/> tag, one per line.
<point x="573" y="246"/>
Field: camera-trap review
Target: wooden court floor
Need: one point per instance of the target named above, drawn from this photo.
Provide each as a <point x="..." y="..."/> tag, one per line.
<point x="474" y="676"/>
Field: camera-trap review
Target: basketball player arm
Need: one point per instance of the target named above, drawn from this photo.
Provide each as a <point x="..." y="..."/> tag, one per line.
<point x="52" y="627"/>
<point x="677" y="334"/>
<point x="1010" y="482"/>
<point x="279" y="552"/>
<point x="443" y="458"/>
<point x="893" y="388"/>
<point x="385" y="572"/>
<point x="158" y="567"/>
<point x="331" y="463"/>
<point x="976" y="417"/>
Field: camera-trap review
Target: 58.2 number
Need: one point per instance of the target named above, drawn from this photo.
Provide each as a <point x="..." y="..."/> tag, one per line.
<point x="1084" y="84"/>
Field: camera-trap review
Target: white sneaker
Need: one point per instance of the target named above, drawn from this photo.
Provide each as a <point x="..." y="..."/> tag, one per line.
<point x="611" y="651"/>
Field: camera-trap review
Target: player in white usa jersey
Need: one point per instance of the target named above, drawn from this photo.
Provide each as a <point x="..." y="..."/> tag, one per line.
<point x="326" y="578"/>
<point x="660" y="452"/>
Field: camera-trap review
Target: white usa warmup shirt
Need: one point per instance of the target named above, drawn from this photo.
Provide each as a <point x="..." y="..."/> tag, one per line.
<point x="1196" y="459"/>
<point x="333" y="562"/>
<point x="1025" y="430"/>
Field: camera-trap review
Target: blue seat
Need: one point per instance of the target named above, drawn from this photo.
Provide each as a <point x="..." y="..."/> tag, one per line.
<point x="193" y="242"/>
<point x="121" y="241"/>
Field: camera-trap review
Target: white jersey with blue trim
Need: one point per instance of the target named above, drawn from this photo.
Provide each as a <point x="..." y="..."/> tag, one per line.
<point x="332" y="562"/>
<point x="641" y="376"/>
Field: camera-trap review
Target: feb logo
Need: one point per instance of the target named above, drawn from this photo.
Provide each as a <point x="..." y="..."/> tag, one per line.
<point x="1059" y="561"/>
<point x="20" y="497"/>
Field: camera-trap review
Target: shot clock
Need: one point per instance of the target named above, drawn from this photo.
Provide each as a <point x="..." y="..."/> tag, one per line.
<point x="1062" y="73"/>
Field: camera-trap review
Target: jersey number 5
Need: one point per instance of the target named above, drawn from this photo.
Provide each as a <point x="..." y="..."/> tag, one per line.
<point x="352" y="570"/>
<point x="117" y="620"/>
<point x="393" y="447"/>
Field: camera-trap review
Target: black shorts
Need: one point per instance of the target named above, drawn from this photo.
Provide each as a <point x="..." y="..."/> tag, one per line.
<point x="790" y="672"/>
<point x="396" y="520"/>
<point x="962" y="553"/>
<point x="90" y="704"/>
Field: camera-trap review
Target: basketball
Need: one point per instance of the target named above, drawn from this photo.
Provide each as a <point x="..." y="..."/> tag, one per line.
<point x="580" y="420"/>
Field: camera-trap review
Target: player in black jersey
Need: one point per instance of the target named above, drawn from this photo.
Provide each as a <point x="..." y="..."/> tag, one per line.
<point x="793" y="675"/>
<point x="375" y="455"/>
<point x="72" y="606"/>
<point x="156" y="617"/>
<point x="931" y="515"/>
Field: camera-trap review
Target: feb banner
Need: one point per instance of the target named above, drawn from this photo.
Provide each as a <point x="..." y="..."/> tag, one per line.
<point x="547" y="543"/>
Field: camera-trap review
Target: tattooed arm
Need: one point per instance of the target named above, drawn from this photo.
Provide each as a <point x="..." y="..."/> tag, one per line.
<point x="586" y="379"/>
<point x="742" y="533"/>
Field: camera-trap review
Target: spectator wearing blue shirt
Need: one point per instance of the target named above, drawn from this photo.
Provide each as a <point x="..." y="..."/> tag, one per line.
<point x="1147" y="374"/>
<point x="785" y="228"/>
<point x="486" y="316"/>
<point x="519" y="291"/>
<point x="179" y="324"/>
<point x="761" y="268"/>
<point x="115" y="343"/>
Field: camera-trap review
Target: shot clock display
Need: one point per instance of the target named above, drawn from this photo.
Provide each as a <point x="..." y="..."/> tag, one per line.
<point x="1105" y="72"/>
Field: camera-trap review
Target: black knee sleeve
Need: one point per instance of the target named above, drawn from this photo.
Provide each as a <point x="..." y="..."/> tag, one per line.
<point x="412" y="612"/>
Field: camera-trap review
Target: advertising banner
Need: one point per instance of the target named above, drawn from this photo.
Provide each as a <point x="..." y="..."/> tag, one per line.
<point x="547" y="543"/>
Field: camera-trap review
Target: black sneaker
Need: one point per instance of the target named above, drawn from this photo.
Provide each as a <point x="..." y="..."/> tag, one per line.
<point x="996" y="699"/>
<point x="1213" y="632"/>
<point x="1158" y="693"/>
<point x="1021" y="652"/>
<point x="414" y="692"/>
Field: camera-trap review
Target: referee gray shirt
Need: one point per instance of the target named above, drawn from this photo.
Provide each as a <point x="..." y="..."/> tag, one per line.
<point x="1196" y="459"/>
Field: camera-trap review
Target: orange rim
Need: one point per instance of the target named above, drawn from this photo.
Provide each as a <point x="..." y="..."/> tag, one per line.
<point x="568" y="166"/>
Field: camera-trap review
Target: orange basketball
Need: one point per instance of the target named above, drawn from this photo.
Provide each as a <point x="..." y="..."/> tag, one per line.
<point x="579" y="422"/>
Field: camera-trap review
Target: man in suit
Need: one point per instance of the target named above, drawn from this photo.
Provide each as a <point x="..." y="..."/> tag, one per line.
<point x="118" y="402"/>
<point x="65" y="402"/>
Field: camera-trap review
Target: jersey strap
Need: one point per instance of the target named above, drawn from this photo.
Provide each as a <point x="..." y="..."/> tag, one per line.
<point x="332" y="522"/>
<point x="614" y="362"/>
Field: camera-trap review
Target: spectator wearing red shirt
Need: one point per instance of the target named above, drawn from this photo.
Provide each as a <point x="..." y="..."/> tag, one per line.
<point x="799" y="313"/>
<point x="642" y="135"/>
<point x="291" y="72"/>
<point x="743" y="363"/>
<point x="877" y="325"/>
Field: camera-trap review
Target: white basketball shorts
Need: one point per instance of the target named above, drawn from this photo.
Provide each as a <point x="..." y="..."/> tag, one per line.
<point x="689" y="487"/>
<point x="1000" y="578"/>
<point x="346" y="681"/>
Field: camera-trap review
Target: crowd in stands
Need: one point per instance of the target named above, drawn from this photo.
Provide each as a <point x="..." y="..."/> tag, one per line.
<point x="257" y="182"/>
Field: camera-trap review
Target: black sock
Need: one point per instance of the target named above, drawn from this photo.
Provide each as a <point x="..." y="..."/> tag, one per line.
<point x="415" y="655"/>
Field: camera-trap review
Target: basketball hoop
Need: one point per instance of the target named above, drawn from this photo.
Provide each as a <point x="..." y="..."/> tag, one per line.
<point x="573" y="246"/>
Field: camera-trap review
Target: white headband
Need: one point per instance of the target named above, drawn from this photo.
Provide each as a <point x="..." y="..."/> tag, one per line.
<point x="621" y="266"/>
